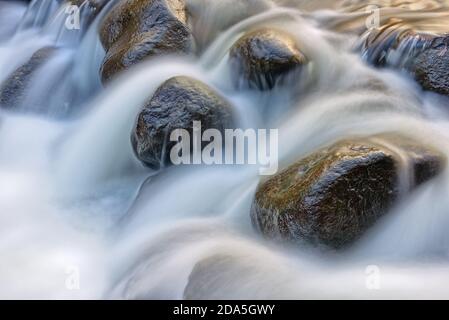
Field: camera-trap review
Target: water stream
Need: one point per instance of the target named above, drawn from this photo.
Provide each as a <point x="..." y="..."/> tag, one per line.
<point x="74" y="200"/>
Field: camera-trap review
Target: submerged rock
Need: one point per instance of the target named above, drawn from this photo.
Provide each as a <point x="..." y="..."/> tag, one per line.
<point x="261" y="58"/>
<point x="13" y="90"/>
<point x="334" y="195"/>
<point x="137" y="29"/>
<point x="175" y="105"/>
<point x="221" y="275"/>
<point x="210" y="277"/>
<point x="89" y="9"/>
<point x="424" y="56"/>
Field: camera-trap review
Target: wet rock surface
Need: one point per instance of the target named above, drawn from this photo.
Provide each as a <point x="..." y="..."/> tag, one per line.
<point x="175" y="105"/>
<point x="138" y="29"/>
<point x="431" y="66"/>
<point x="424" y="56"/>
<point x="208" y="277"/>
<point x="13" y="90"/>
<point x="334" y="195"/>
<point x="261" y="58"/>
<point x="95" y="4"/>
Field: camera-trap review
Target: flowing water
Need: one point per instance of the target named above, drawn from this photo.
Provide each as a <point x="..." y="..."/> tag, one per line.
<point x="81" y="218"/>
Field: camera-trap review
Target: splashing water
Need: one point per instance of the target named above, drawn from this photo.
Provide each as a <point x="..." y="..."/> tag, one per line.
<point x="81" y="218"/>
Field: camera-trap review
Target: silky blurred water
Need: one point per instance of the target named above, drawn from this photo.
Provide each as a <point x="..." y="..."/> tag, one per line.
<point x="81" y="218"/>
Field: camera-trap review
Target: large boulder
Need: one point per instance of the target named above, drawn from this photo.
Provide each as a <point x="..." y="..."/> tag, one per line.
<point x="13" y="89"/>
<point x="137" y="29"/>
<point x="175" y="105"/>
<point x="334" y="195"/>
<point x="263" y="57"/>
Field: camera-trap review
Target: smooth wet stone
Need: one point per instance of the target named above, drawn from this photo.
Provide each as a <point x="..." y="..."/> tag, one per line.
<point x="175" y="105"/>
<point x="431" y="67"/>
<point x="334" y="195"/>
<point x="424" y="56"/>
<point x="13" y="89"/>
<point x="263" y="57"/>
<point x="210" y="18"/>
<point x="209" y="275"/>
<point x="135" y="30"/>
<point x="89" y="10"/>
<point x="237" y="275"/>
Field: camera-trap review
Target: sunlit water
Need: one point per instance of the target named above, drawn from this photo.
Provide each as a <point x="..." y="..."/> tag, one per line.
<point x="81" y="218"/>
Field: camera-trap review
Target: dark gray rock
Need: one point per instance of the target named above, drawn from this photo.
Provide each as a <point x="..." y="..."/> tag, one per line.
<point x="431" y="66"/>
<point x="424" y="56"/>
<point x="334" y="195"/>
<point x="135" y="30"/>
<point x="175" y="105"/>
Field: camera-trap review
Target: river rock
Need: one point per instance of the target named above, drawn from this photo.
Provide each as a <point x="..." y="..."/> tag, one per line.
<point x="424" y="56"/>
<point x="334" y="195"/>
<point x="89" y="9"/>
<point x="175" y="105"/>
<point x="262" y="57"/>
<point x="138" y="29"/>
<point x="13" y="90"/>
<point x="431" y="66"/>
